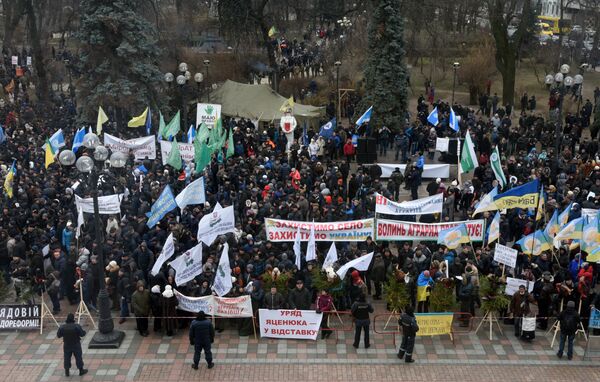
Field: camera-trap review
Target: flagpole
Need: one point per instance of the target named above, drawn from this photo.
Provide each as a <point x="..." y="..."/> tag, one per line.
<point x="458" y="160"/>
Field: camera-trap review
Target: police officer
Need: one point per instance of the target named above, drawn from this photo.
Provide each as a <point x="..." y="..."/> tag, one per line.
<point x="409" y="331"/>
<point x="202" y="335"/>
<point x="71" y="334"/>
<point x="360" y="311"/>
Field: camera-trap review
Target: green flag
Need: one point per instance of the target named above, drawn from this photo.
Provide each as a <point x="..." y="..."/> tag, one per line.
<point x="217" y="137"/>
<point x="175" y="156"/>
<point x="203" y="133"/>
<point x="230" y="145"/>
<point x="161" y="126"/>
<point x="468" y="158"/>
<point x="497" y="167"/>
<point x="173" y="127"/>
<point x="202" y="155"/>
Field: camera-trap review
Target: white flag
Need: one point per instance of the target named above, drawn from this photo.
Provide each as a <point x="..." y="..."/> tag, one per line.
<point x="297" y="250"/>
<point x="311" y="248"/>
<point x="331" y="257"/>
<point x="79" y="222"/>
<point x="188" y="265"/>
<point x="360" y="264"/>
<point x="167" y="251"/>
<point x="223" y="283"/>
<point x="192" y="194"/>
<point x="219" y="222"/>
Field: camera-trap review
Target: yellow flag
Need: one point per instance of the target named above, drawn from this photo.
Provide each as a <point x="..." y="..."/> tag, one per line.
<point x="49" y="154"/>
<point x="8" y="182"/>
<point x="102" y="118"/>
<point x="288" y="104"/>
<point x="138" y="121"/>
<point x="272" y="31"/>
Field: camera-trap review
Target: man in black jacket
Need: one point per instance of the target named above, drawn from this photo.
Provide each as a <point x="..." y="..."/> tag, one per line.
<point x="300" y="298"/>
<point x="360" y="311"/>
<point x="71" y="334"/>
<point x="409" y="331"/>
<point x="569" y="322"/>
<point x="202" y="335"/>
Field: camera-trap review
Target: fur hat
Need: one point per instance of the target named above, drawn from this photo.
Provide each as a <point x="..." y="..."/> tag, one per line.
<point x="168" y="293"/>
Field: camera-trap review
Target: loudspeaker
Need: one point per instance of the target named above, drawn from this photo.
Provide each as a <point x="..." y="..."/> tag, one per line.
<point x="366" y="152"/>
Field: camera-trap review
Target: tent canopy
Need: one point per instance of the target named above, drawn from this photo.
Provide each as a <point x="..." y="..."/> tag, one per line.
<point x="258" y="102"/>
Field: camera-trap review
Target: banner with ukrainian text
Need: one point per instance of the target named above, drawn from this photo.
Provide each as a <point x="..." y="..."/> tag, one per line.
<point x="232" y="307"/>
<point x="285" y="230"/>
<point x="143" y="147"/>
<point x="399" y="230"/>
<point x="429" y="205"/>
<point x="434" y="324"/>
<point x="290" y="324"/>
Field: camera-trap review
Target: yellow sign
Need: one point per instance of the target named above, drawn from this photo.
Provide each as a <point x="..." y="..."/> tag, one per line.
<point x="434" y="324"/>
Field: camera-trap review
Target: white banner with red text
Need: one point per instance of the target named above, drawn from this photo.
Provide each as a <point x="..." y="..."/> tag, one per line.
<point x="290" y="324"/>
<point x="233" y="307"/>
<point x="185" y="149"/>
<point x="398" y="230"/>
<point x="351" y="230"/>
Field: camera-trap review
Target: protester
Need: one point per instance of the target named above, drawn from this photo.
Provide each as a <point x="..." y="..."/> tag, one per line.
<point x="569" y="323"/>
<point x="140" y="303"/>
<point x="71" y="334"/>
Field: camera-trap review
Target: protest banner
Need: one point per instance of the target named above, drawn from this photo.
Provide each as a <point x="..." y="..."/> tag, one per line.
<point x="20" y="317"/>
<point x="218" y="222"/>
<point x="429" y="171"/>
<point x="429" y="205"/>
<point x="231" y="307"/>
<point x="194" y="304"/>
<point x="285" y="230"/>
<point x="207" y="114"/>
<point x="185" y="149"/>
<point x="143" y="147"/>
<point x="399" y="230"/>
<point x="512" y="285"/>
<point x="290" y="324"/>
<point x="107" y="205"/>
<point x="589" y="213"/>
<point x="505" y="255"/>
<point x="434" y="324"/>
<point x="188" y="265"/>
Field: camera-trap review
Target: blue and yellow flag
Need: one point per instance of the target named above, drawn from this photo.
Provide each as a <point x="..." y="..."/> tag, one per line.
<point x="552" y="227"/>
<point x="590" y="237"/>
<point x="494" y="229"/>
<point x="535" y="243"/>
<point x="525" y="196"/>
<point x="8" y="181"/>
<point x="573" y="230"/>
<point x="563" y="218"/>
<point x="594" y="257"/>
<point x="454" y="237"/>
<point x="541" y="208"/>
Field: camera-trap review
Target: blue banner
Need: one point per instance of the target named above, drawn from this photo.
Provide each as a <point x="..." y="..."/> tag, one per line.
<point x="594" y="319"/>
<point x="162" y="206"/>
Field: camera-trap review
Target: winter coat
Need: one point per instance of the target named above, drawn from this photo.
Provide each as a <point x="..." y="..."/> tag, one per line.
<point x="140" y="302"/>
<point x="299" y="299"/>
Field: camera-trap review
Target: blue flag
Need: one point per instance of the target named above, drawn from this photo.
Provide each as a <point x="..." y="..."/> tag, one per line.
<point x="328" y="129"/>
<point x="143" y="169"/>
<point x="453" y="122"/>
<point x="525" y="196"/>
<point x="433" y="118"/>
<point x="366" y="117"/>
<point x="2" y="135"/>
<point x="162" y="206"/>
<point x="149" y="122"/>
<point x="191" y="134"/>
<point x="78" y="139"/>
<point x="57" y="140"/>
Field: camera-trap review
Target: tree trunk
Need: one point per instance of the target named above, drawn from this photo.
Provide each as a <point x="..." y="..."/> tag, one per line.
<point x="13" y="12"/>
<point x="37" y="52"/>
<point x="508" y="79"/>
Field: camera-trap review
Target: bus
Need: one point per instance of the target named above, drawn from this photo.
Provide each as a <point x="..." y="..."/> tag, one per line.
<point x="555" y="23"/>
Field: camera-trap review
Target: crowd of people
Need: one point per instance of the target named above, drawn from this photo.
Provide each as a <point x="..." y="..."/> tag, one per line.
<point x="317" y="180"/>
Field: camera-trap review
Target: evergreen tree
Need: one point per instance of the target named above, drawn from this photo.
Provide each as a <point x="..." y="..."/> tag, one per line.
<point x="119" y="56"/>
<point x="385" y="72"/>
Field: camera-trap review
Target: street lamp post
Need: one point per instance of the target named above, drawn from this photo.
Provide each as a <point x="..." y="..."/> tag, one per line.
<point x="455" y="66"/>
<point x="198" y="78"/>
<point x="106" y="337"/>
<point x="559" y="80"/>
<point x="337" y="90"/>
<point x="207" y="64"/>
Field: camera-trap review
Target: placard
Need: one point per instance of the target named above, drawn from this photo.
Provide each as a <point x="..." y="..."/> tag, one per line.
<point x="15" y="60"/>
<point x="290" y="324"/>
<point x="207" y="113"/>
<point x="185" y="149"/>
<point x="505" y="255"/>
<point x="594" y="319"/>
<point x="142" y="147"/>
<point x="20" y="317"/>
<point x="434" y="324"/>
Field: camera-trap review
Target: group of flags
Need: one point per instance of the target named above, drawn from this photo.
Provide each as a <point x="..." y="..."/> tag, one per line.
<point x="433" y="118"/>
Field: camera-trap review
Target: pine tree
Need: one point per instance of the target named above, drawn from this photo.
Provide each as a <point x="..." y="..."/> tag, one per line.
<point x="385" y="71"/>
<point x="119" y="57"/>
